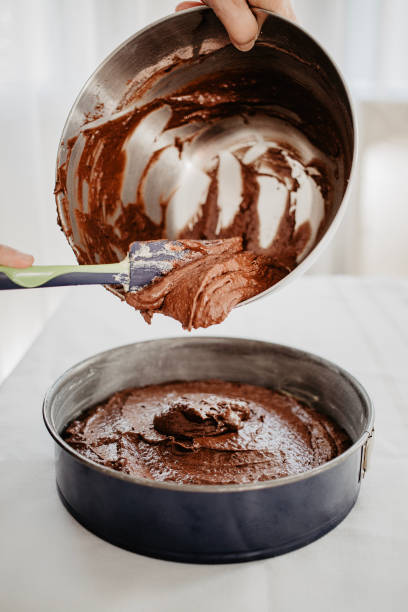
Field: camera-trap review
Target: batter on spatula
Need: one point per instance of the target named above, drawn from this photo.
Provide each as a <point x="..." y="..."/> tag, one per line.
<point x="202" y="292"/>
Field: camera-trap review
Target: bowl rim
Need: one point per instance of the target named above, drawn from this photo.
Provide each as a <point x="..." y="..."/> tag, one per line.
<point x="318" y="248"/>
<point x="224" y="488"/>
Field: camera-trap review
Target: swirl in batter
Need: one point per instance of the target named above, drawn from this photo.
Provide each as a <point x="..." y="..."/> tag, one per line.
<point x="206" y="432"/>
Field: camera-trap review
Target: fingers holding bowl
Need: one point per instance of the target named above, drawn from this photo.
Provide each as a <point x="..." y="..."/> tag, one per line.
<point x="13" y="258"/>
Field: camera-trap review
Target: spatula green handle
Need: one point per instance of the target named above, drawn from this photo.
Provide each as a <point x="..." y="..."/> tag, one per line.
<point x="57" y="276"/>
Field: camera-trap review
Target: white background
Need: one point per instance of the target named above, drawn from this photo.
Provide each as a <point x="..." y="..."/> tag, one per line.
<point x="50" y="563"/>
<point x="48" y="48"/>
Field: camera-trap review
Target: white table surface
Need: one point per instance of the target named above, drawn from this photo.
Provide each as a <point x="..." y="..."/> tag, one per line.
<point x="48" y="562"/>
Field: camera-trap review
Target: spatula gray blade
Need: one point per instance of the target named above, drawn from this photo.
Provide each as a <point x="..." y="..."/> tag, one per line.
<point x="153" y="259"/>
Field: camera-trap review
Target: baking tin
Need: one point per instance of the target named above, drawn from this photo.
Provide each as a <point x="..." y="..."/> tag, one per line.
<point x="208" y="523"/>
<point x="284" y="51"/>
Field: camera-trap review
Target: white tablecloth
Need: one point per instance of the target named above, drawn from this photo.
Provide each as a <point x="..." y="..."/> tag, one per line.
<point x="48" y="562"/>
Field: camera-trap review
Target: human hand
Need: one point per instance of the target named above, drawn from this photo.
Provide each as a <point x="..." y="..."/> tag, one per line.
<point x="242" y="23"/>
<point x="15" y="259"/>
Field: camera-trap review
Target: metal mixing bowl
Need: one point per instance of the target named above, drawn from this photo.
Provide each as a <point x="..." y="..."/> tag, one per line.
<point x="284" y="53"/>
<point x="209" y="523"/>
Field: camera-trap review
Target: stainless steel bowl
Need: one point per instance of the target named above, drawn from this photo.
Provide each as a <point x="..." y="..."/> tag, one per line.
<point x="319" y="104"/>
<point x="208" y="523"/>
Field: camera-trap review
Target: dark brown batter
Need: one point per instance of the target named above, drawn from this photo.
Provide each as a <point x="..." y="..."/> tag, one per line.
<point x="111" y="211"/>
<point x="208" y="432"/>
<point x="203" y="291"/>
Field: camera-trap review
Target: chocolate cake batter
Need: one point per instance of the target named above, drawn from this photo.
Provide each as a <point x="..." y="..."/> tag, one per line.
<point x="215" y="159"/>
<point x="203" y="291"/>
<point x="207" y="432"/>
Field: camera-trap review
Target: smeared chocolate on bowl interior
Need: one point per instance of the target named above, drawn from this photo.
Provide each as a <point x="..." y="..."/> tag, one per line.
<point x="206" y="432"/>
<point x="217" y="159"/>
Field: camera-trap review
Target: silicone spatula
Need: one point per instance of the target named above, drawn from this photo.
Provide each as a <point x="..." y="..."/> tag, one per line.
<point x="145" y="262"/>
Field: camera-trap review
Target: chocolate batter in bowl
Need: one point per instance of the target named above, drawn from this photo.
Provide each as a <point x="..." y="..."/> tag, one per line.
<point x="179" y="135"/>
